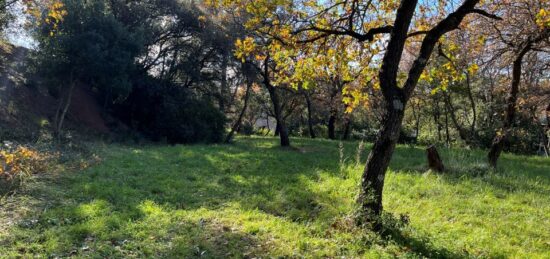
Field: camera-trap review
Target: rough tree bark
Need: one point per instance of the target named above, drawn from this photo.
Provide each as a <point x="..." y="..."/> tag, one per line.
<point x="372" y="183"/>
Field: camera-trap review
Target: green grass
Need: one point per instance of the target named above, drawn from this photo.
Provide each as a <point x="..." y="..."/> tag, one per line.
<point x="254" y="199"/>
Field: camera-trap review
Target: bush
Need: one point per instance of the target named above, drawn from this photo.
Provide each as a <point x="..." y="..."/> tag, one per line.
<point x="164" y="112"/>
<point x="187" y="120"/>
<point x="246" y="129"/>
<point x="18" y="163"/>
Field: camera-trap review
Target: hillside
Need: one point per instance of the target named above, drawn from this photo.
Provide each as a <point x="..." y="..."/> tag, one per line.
<point x="26" y="107"/>
<point x="256" y="200"/>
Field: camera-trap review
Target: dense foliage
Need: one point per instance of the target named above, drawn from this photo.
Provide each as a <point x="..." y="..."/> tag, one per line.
<point x="169" y="113"/>
<point x="99" y="45"/>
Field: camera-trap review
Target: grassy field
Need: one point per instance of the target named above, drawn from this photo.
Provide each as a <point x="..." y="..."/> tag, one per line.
<point x="254" y="199"/>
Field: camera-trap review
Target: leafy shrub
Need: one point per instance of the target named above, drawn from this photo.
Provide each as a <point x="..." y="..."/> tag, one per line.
<point x="162" y="111"/>
<point x="187" y="120"/>
<point x="18" y="163"/>
<point x="246" y="129"/>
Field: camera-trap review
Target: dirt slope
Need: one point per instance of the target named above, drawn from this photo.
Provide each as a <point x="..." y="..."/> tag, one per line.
<point x="26" y="108"/>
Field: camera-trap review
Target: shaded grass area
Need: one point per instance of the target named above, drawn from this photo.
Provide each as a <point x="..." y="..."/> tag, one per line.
<point x="254" y="199"/>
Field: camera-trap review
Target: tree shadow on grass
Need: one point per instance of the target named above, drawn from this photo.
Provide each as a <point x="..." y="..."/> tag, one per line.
<point x="100" y="204"/>
<point x="105" y="203"/>
<point x="397" y="230"/>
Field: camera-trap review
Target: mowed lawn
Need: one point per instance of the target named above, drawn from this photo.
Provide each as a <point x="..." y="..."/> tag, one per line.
<point x="254" y="199"/>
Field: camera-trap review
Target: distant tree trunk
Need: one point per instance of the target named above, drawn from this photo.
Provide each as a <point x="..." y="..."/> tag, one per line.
<point x="309" y="115"/>
<point x="277" y="108"/>
<point x="447" y="134"/>
<point x="436" y="115"/>
<point x="462" y="133"/>
<point x="473" y="104"/>
<point x="502" y="135"/>
<point x="417" y="117"/>
<point x="347" y="128"/>
<point x="281" y="127"/>
<point x="223" y="86"/>
<point x="63" y="114"/>
<point x="332" y="125"/>
<point x="546" y="133"/>
<point x="237" y="124"/>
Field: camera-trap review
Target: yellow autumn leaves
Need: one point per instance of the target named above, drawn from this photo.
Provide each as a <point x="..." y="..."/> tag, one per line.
<point x="20" y="161"/>
<point x="543" y="18"/>
<point x="244" y="48"/>
<point x="50" y="12"/>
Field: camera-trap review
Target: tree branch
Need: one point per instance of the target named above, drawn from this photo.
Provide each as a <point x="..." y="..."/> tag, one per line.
<point x="486" y="14"/>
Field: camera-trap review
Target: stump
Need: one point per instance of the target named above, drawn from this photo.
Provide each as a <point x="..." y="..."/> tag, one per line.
<point x="434" y="160"/>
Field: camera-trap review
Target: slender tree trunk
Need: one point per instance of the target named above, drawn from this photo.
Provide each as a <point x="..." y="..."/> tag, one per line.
<point x="462" y="133"/>
<point x="331" y="126"/>
<point x="417" y="118"/>
<point x="63" y="114"/>
<point x="223" y="86"/>
<point x="237" y="124"/>
<point x="436" y="115"/>
<point x="309" y="115"/>
<point x="347" y="128"/>
<point x="502" y="135"/>
<point x="447" y="135"/>
<point x="58" y="112"/>
<point x="473" y="104"/>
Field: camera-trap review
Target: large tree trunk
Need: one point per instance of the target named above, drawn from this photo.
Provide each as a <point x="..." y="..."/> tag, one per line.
<point x="237" y="124"/>
<point x="309" y="115"/>
<point x="502" y="135"/>
<point x="372" y="182"/>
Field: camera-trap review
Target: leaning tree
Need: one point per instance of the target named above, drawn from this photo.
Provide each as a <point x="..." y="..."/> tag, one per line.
<point x="384" y="25"/>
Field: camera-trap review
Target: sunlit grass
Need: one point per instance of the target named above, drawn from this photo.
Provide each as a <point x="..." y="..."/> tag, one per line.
<point x="254" y="199"/>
